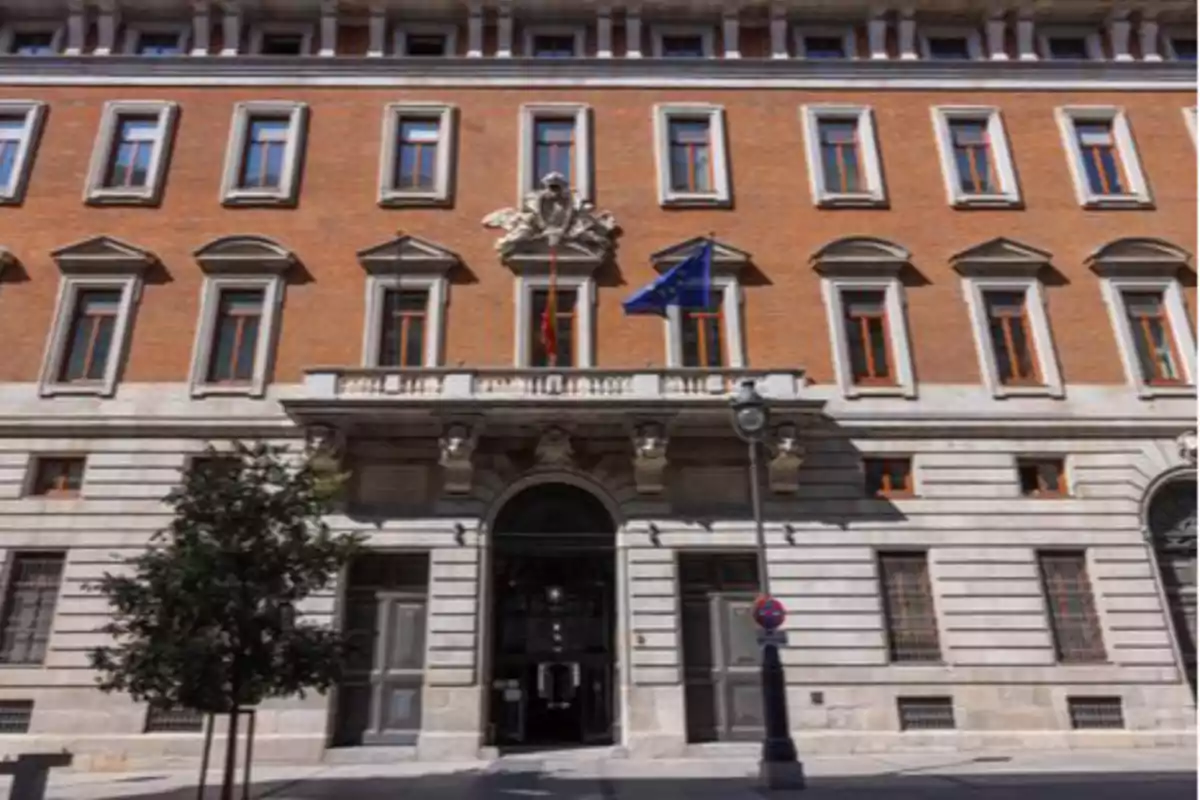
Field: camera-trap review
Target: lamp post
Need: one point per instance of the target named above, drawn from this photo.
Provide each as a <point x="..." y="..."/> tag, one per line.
<point x="779" y="767"/>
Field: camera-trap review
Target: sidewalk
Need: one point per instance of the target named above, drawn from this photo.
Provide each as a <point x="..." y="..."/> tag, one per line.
<point x="584" y="775"/>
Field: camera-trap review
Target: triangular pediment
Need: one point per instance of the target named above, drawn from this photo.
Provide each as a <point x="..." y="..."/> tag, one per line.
<point x="1000" y="256"/>
<point x="571" y="257"/>
<point x="861" y="255"/>
<point x="726" y="257"/>
<point x="1139" y="255"/>
<point x="407" y="255"/>
<point x="103" y="254"/>
<point x="244" y="254"/>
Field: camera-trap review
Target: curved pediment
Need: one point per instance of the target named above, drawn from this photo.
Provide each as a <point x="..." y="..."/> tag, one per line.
<point x="407" y="255"/>
<point x="1136" y="255"/>
<point x="726" y="258"/>
<point x="861" y="255"/>
<point x="245" y="254"/>
<point x="103" y="254"/>
<point x="1000" y="256"/>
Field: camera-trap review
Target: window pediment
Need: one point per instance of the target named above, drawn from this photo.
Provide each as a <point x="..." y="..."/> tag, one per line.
<point x="1139" y="256"/>
<point x="573" y="258"/>
<point x="102" y="255"/>
<point x="1000" y="257"/>
<point x="861" y="255"/>
<point x="407" y="255"/>
<point x="726" y="260"/>
<point x="245" y="255"/>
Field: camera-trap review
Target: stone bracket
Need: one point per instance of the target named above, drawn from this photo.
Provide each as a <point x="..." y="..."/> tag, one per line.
<point x="649" y="456"/>
<point x="787" y="454"/>
<point x="456" y="449"/>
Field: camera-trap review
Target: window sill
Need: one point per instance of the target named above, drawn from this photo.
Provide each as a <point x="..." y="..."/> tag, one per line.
<point x="77" y="389"/>
<point x="1004" y="392"/>
<point x="851" y="201"/>
<point x="859" y="390"/>
<point x="1117" y="202"/>
<point x="223" y="390"/>
<point x="695" y="201"/>
<point x="410" y="199"/>
<point x="109" y="197"/>
<point x="1149" y="392"/>
<point x="258" y="199"/>
<point x="10" y="200"/>
<point x="987" y="201"/>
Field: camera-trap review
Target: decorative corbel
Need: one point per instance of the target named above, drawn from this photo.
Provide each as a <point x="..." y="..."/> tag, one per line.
<point x="456" y="447"/>
<point x="649" y="457"/>
<point x="1185" y="445"/>
<point x="325" y="446"/>
<point x="554" y="449"/>
<point x="787" y="454"/>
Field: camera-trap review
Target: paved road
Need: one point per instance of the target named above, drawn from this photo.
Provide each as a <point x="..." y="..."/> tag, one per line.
<point x="1124" y="775"/>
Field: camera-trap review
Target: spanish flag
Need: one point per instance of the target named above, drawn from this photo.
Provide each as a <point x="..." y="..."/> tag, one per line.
<point x="550" y="314"/>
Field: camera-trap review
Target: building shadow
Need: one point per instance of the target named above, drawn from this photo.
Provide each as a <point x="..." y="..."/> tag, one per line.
<point x="529" y="781"/>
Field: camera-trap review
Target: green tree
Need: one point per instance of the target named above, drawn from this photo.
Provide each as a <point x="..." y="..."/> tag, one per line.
<point x="207" y="620"/>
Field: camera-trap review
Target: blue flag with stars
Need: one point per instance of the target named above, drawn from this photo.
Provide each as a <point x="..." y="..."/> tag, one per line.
<point x="688" y="284"/>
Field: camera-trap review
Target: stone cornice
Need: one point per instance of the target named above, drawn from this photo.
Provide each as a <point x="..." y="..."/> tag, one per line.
<point x="592" y="72"/>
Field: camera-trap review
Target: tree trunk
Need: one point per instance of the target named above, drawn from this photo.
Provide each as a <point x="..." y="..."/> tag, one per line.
<point x="230" y="756"/>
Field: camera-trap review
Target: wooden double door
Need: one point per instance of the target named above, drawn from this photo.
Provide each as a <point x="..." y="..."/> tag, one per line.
<point x="722" y="676"/>
<point x="1172" y="527"/>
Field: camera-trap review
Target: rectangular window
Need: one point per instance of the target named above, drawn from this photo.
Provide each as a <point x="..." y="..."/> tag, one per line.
<point x="1101" y="160"/>
<point x="1157" y="355"/>
<point x="282" y="44"/>
<point x="163" y="719"/>
<point x="682" y="46"/>
<point x="908" y="607"/>
<point x="948" y="48"/>
<point x="15" y="716"/>
<point x="130" y="152"/>
<point x="553" y="45"/>
<point x="90" y="338"/>
<point x="1072" y="610"/>
<point x="1042" y="477"/>
<point x="402" y="334"/>
<point x="159" y="44"/>
<point x="57" y="476"/>
<point x="866" y="323"/>
<point x="27" y="615"/>
<point x="563" y="326"/>
<point x="19" y="123"/>
<point x="416" y="164"/>
<point x="841" y="168"/>
<point x="134" y="142"/>
<point x="1095" y="713"/>
<point x="263" y="153"/>
<point x="703" y="337"/>
<point x="553" y="149"/>
<point x="235" y="338"/>
<point x="1012" y="342"/>
<point x="925" y="713"/>
<point x="888" y="477"/>
<point x="1067" y="48"/>
<point x="12" y="141"/>
<point x="824" y="47"/>
<point x="690" y="146"/>
<point x="973" y="156"/>
<point x="33" y="43"/>
<point x="425" y="45"/>
<point x="1183" y="48"/>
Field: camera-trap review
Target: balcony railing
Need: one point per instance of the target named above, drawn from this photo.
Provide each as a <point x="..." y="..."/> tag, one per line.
<point x="541" y="385"/>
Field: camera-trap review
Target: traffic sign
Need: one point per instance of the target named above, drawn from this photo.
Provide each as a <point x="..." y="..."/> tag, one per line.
<point x="769" y="613"/>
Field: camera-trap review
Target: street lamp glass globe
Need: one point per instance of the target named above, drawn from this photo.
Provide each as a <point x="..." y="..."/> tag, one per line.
<point x="751" y="419"/>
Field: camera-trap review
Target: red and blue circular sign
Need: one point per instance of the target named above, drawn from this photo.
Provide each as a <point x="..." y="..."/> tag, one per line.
<point x="769" y="613"/>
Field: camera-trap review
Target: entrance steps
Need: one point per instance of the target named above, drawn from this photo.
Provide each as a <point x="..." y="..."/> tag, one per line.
<point x="724" y="750"/>
<point x="339" y="756"/>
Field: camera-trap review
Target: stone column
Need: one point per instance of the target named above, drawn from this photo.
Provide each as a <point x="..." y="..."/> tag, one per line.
<point x="730" y="29"/>
<point x="377" y="33"/>
<point x="877" y="36"/>
<point x="1026" y="50"/>
<point x="997" y="26"/>
<point x="906" y="36"/>
<point x="633" y="33"/>
<point x="231" y="31"/>
<point x="475" y="31"/>
<point x="779" y="32"/>
<point x="604" y="32"/>
<point x="1148" y="32"/>
<point x="76" y="28"/>
<point x="1118" y="37"/>
<point x="106" y="29"/>
<point x="329" y="28"/>
<point x="201" y="27"/>
<point x="504" y="32"/>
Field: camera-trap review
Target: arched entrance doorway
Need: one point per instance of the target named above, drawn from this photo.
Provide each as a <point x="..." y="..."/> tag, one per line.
<point x="553" y="578"/>
<point x="1171" y="524"/>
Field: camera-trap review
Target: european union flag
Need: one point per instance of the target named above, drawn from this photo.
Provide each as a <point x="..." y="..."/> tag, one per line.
<point x="688" y="284"/>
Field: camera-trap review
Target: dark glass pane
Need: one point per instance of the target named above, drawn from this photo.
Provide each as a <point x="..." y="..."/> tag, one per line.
<point x="1021" y="349"/>
<point x="33" y="43"/>
<point x="1067" y="47"/>
<point x="683" y="46"/>
<point x="949" y="48"/>
<point x="1108" y="160"/>
<point x="1185" y="48"/>
<point x="101" y="346"/>
<point x="8" y="159"/>
<point x="252" y="169"/>
<point x="824" y="47"/>
<point x="680" y="172"/>
<point x="1004" y="364"/>
<point x="246" y="347"/>
<point x="415" y="354"/>
<point x="712" y="342"/>
<point x="553" y="46"/>
<point x="879" y="354"/>
<point x="222" y="358"/>
<point x="158" y="44"/>
<point x="425" y="44"/>
<point x="282" y="44"/>
<point x="273" y="175"/>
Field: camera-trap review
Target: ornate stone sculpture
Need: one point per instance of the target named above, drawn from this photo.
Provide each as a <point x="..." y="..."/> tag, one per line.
<point x="787" y="454"/>
<point x="456" y="446"/>
<point x="1186" y="444"/>
<point x="554" y="449"/>
<point x="649" y="457"/>
<point x="553" y="214"/>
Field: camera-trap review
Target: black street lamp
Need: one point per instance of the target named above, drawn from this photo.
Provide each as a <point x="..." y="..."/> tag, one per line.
<point x="779" y="767"/>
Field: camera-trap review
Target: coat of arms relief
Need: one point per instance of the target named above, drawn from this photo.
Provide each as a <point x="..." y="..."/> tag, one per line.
<point x="553" y="214"/>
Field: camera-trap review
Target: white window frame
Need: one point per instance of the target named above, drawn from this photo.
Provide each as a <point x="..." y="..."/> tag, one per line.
<point x="705" y="32"/>
<point x="393" y="113"/>
<point x="1170" y="35"/>
<point x="402" y="32"/>
<point x="585" y="298"/>
<point x="1139" y="191"/>
<point x="1090" y="35"/>
<point x="832" y="288"/>
<point x="1042" y="342"/>
<point x="210" y="295"/>
<point x="864" y="117"/>
<point x="731" y="317"/>
<point x="34" y="112"/>
<point x="95" y="191"/>
<point x="1010" y="192"/>
<point x="8" y="33"/>
<point x="239" y="129"/>
<point x="134" y="31"/>
<point x="377" y="288"/>
<point x="530" y="31"/>
<point x="715" y="114"/>
<point x="260" y="30"/>
<point x="581" y="115"/>
<point x="843" y="32"/>
<point x="1112" y="288"/>
<point x="1189" y="119"/>
<point x="974" y="40"/>
<point x="69" y="288"/>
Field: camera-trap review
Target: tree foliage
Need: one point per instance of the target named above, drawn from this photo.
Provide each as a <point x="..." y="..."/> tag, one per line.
<point x="207" y="620"/>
